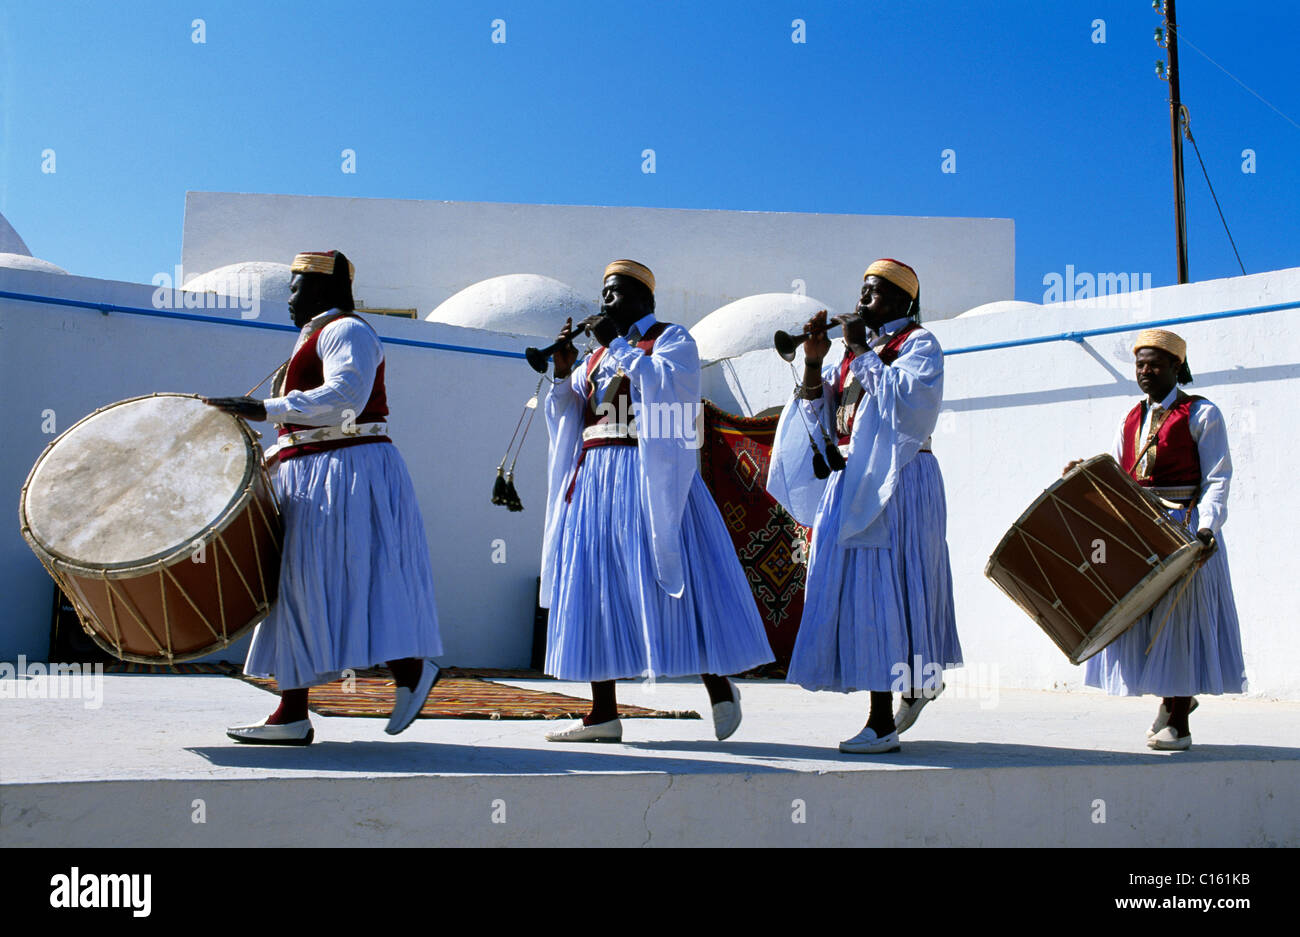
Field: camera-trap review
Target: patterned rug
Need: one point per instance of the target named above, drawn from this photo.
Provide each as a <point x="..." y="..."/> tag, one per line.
<point x="769" y="542"/>
<point x="460" y="694"/>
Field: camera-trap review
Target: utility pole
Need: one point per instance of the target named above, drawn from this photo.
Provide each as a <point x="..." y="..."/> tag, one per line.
<point x="1170" y="33"/>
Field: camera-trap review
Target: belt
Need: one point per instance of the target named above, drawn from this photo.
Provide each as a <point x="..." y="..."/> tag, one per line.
<point x="1182" y="493"/>
<point x="844" y="450"/>
<point x="317" y="434"/>
<point x="609" y="431"/>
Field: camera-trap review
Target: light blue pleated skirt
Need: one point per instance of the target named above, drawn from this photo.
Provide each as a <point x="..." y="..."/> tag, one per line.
<point x="880" y="618"/>
<point x="609" y="617"/>
<point x="1199" y="650"/>
<point x="356" y="587"/>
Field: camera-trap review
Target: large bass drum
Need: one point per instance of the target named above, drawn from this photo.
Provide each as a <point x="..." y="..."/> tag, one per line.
<point x="1090" y="556"/>
<point x="156" y="518"/>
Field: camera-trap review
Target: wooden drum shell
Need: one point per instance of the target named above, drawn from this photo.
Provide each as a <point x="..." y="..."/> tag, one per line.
<point x="1045" y="565"/>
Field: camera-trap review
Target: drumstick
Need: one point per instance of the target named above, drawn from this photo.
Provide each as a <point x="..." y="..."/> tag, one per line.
<point x="267" y="378"/>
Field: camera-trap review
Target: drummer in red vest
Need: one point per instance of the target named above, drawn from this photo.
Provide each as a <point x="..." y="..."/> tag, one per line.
<point x="1176" y="445"/>
<point x="878" y="607"/>
<point x="356" y="588"/>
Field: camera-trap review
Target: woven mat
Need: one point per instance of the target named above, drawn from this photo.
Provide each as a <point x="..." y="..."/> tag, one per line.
<point x="460" y="694"/>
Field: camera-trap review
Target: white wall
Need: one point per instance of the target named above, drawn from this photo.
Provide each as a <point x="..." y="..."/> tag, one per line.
<point x="451" y="415"/>
<point x="1012" y="418"/>
<point x="418" y="253"/>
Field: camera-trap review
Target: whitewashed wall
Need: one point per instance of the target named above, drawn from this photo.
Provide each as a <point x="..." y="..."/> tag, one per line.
<point x="451" y="415"/>
<point x="418" y="253"/>
<point x="1012" y="418"/>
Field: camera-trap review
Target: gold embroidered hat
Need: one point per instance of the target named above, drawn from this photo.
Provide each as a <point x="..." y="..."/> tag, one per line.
<point x="1164" y="340"/>
<point x="897" y="273"/>
<point x="630" y="268"/>
<point x="319" y="262"/>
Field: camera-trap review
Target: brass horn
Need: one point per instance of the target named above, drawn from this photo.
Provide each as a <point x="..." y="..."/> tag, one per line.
<point x="787" y="345"/>
<point x="539" y="358"/>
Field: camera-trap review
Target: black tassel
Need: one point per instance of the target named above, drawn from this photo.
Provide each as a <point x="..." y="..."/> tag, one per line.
<point x="512" y="501"/>
<point x="820" y="469"/>
<point x="834" y="458"/>
<point x="499" y="488"/>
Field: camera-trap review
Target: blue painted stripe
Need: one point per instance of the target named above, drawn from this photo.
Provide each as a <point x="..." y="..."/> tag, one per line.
<point x="107" y="308"/>
<point x="1074" y="336"/>
<point x="1129" y="327"/>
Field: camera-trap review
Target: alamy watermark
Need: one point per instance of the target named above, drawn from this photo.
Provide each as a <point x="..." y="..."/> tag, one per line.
<point x="969" y="681"/>
<point x="1115" y="290"/>
<point x="37" y="680"/>
<point x="245" y="295"/>
<point x="674" y="419"/>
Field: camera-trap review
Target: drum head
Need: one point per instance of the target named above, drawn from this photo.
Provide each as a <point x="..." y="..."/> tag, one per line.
<point x="137" y="481"/>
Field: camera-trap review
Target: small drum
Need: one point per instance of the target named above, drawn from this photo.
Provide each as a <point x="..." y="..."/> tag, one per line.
<point x="156" y="518"/>
<point x="1093" y="554"/>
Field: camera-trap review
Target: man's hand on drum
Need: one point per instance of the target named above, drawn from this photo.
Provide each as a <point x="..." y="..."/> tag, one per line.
<point x="1206" y="536"/>
<point x="1066" y="471"/>
<point x="250" y="408"/>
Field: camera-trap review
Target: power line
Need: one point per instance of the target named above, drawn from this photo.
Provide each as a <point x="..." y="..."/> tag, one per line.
<point x="1234" y="78"/>
<point x="1187" y="131"/>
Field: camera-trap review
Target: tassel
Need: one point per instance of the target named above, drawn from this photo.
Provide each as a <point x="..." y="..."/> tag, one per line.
<point x="834" y="458"/>
<point x="499" y="487"/>
<point x="820" y="469"/>
<point x="512" y="501"/>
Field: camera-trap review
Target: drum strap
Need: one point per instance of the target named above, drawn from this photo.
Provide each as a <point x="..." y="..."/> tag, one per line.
<point x="1137" y="461"/>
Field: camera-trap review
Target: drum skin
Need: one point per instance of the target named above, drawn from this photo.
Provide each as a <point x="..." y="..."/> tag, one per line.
<point x="1090" y="556"/>
<point x="172" y="551"/>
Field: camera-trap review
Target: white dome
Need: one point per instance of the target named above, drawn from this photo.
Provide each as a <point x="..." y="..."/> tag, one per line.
<point x="267" y="281"/>
<point x="748" y="324"/>
<point x="1002" y="305"/>
<point x="27" y="262"/>
<point x="519" y="303"/>
<point x="10" y="242"/>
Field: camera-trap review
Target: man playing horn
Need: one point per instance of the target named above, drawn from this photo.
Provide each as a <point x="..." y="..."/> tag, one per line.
<point x="356" y="589"/>
<point x="1176" y="445"/>
<point x="638" y="569"/>
<point x="878" y="610"/>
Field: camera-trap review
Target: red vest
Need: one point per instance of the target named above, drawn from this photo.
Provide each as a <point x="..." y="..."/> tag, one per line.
<point x="1173" y="462"/>
<point x="620" y="402"/>
<point x="307" y="372"/>
<point x="888" y="354"/>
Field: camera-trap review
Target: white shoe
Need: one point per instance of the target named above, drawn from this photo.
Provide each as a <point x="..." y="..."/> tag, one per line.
<point x="611" y="731"/>
<point x="1168" y="740"/>
<point x="1162" y="717"/>
<point x="910" y="709"/>
<point x="867" y="742"/>
<point x="726" y="716"/>
<point x="259" y="733"/>
<point x="410" y="702"/>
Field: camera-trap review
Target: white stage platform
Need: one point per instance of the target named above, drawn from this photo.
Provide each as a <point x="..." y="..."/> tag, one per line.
<point x="1008" y="768"/>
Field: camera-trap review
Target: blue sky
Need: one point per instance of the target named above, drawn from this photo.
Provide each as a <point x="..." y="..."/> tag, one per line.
<point x="1067" y="136"/>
